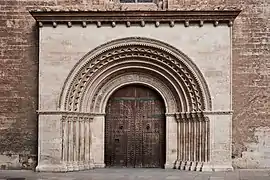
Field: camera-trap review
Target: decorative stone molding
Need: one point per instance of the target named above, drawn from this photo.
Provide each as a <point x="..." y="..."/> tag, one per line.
<point x="172" y="23"/>
<point x="142" y="23"/>
<point x="40" y="24"/>
<point x="218" y="112"/>
<point x="54" y="24"/>
<point x="178" y="114"/>
<point x="84" y="24"/>
<point x="98" y="98"/>
<point x="216" y="23"/>
<point x="98" y="24"/>
<point x="76" y="135"/>
<point x="69" y="24"/>
<point x="201" y="23"/>
<point x="128" y="24"/>
<point x="193" y="141"/>
<point x="156" y="55"/>
<point x="186" y="23"/>
<point x="133" y="17"/>
<point x="65" y="113"/>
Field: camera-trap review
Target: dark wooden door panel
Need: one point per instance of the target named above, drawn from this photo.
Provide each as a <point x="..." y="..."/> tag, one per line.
<point x="135" y="128"/>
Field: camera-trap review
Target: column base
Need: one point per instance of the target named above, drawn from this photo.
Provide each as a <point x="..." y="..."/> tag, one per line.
<point x="177" y="164"/>
<point x="89" y="165"/>
<point x="182" y="165"/>
<point x="99" y="165"/>
<point x="82" y="166"/>
<point x="76" y="166"/>
<point x="198" y="166"/>
<point x="193" y="166"/>
<point x="169" y="166"/>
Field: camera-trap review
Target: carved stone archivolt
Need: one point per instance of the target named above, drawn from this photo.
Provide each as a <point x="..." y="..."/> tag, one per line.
<point x="103" y="91"/>
<point x="179" y="74"/>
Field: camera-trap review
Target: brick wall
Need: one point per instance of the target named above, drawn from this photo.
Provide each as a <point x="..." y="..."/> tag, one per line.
<point x="251" y="82"/>
<point x="19" y="72"/>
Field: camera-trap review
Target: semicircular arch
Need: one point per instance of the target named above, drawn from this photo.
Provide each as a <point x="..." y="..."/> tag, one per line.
<point x="98" y="101"/>
<point x="174" y="66"/>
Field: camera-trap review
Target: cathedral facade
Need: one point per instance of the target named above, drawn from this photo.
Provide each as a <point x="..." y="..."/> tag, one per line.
<point x="137" y="83"/>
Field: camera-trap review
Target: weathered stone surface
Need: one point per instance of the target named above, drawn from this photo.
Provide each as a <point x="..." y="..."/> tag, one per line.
<point x="84" y="84"/>
<point x="19" y="69"/>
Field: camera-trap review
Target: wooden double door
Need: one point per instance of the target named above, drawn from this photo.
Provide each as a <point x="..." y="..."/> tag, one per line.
<point x="135" y="128"/>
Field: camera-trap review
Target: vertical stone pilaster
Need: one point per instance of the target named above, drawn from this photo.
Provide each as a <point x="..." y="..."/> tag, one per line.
<point x="71" y="143"/>
<point x="220" y="143"/>
<point x="87" y="135"/>
<point x="171" y="141"/>
<point x="97" y="143"/>
<point x="76" y="143"/>
<point x="90" y="132"/>
<point x="50" y="143"/>
<point x="65" y="139"/>
<point x="82" y="144"/>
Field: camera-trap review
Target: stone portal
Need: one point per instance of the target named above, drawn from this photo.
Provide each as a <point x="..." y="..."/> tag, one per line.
<point x="186" y="62"/>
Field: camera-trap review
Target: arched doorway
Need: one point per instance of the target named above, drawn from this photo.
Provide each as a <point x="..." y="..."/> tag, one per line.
<point x="135" y="128"/>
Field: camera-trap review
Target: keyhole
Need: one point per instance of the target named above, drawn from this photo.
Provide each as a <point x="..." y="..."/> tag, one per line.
<point x="148" y="127"/>
<point x="121" y="127"/>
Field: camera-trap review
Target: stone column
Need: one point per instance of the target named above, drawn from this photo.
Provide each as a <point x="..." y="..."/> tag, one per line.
<point x="82" y="144"/>
<point x="88" y="143"/>
<point x="171" y="141"/>
<point x="50" y="143"/>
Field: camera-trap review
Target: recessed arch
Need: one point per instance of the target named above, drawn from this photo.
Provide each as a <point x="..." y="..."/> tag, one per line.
<point x="160" y="59"/>
<point x="134" y="78"/>
<point x="140" y="70"/>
